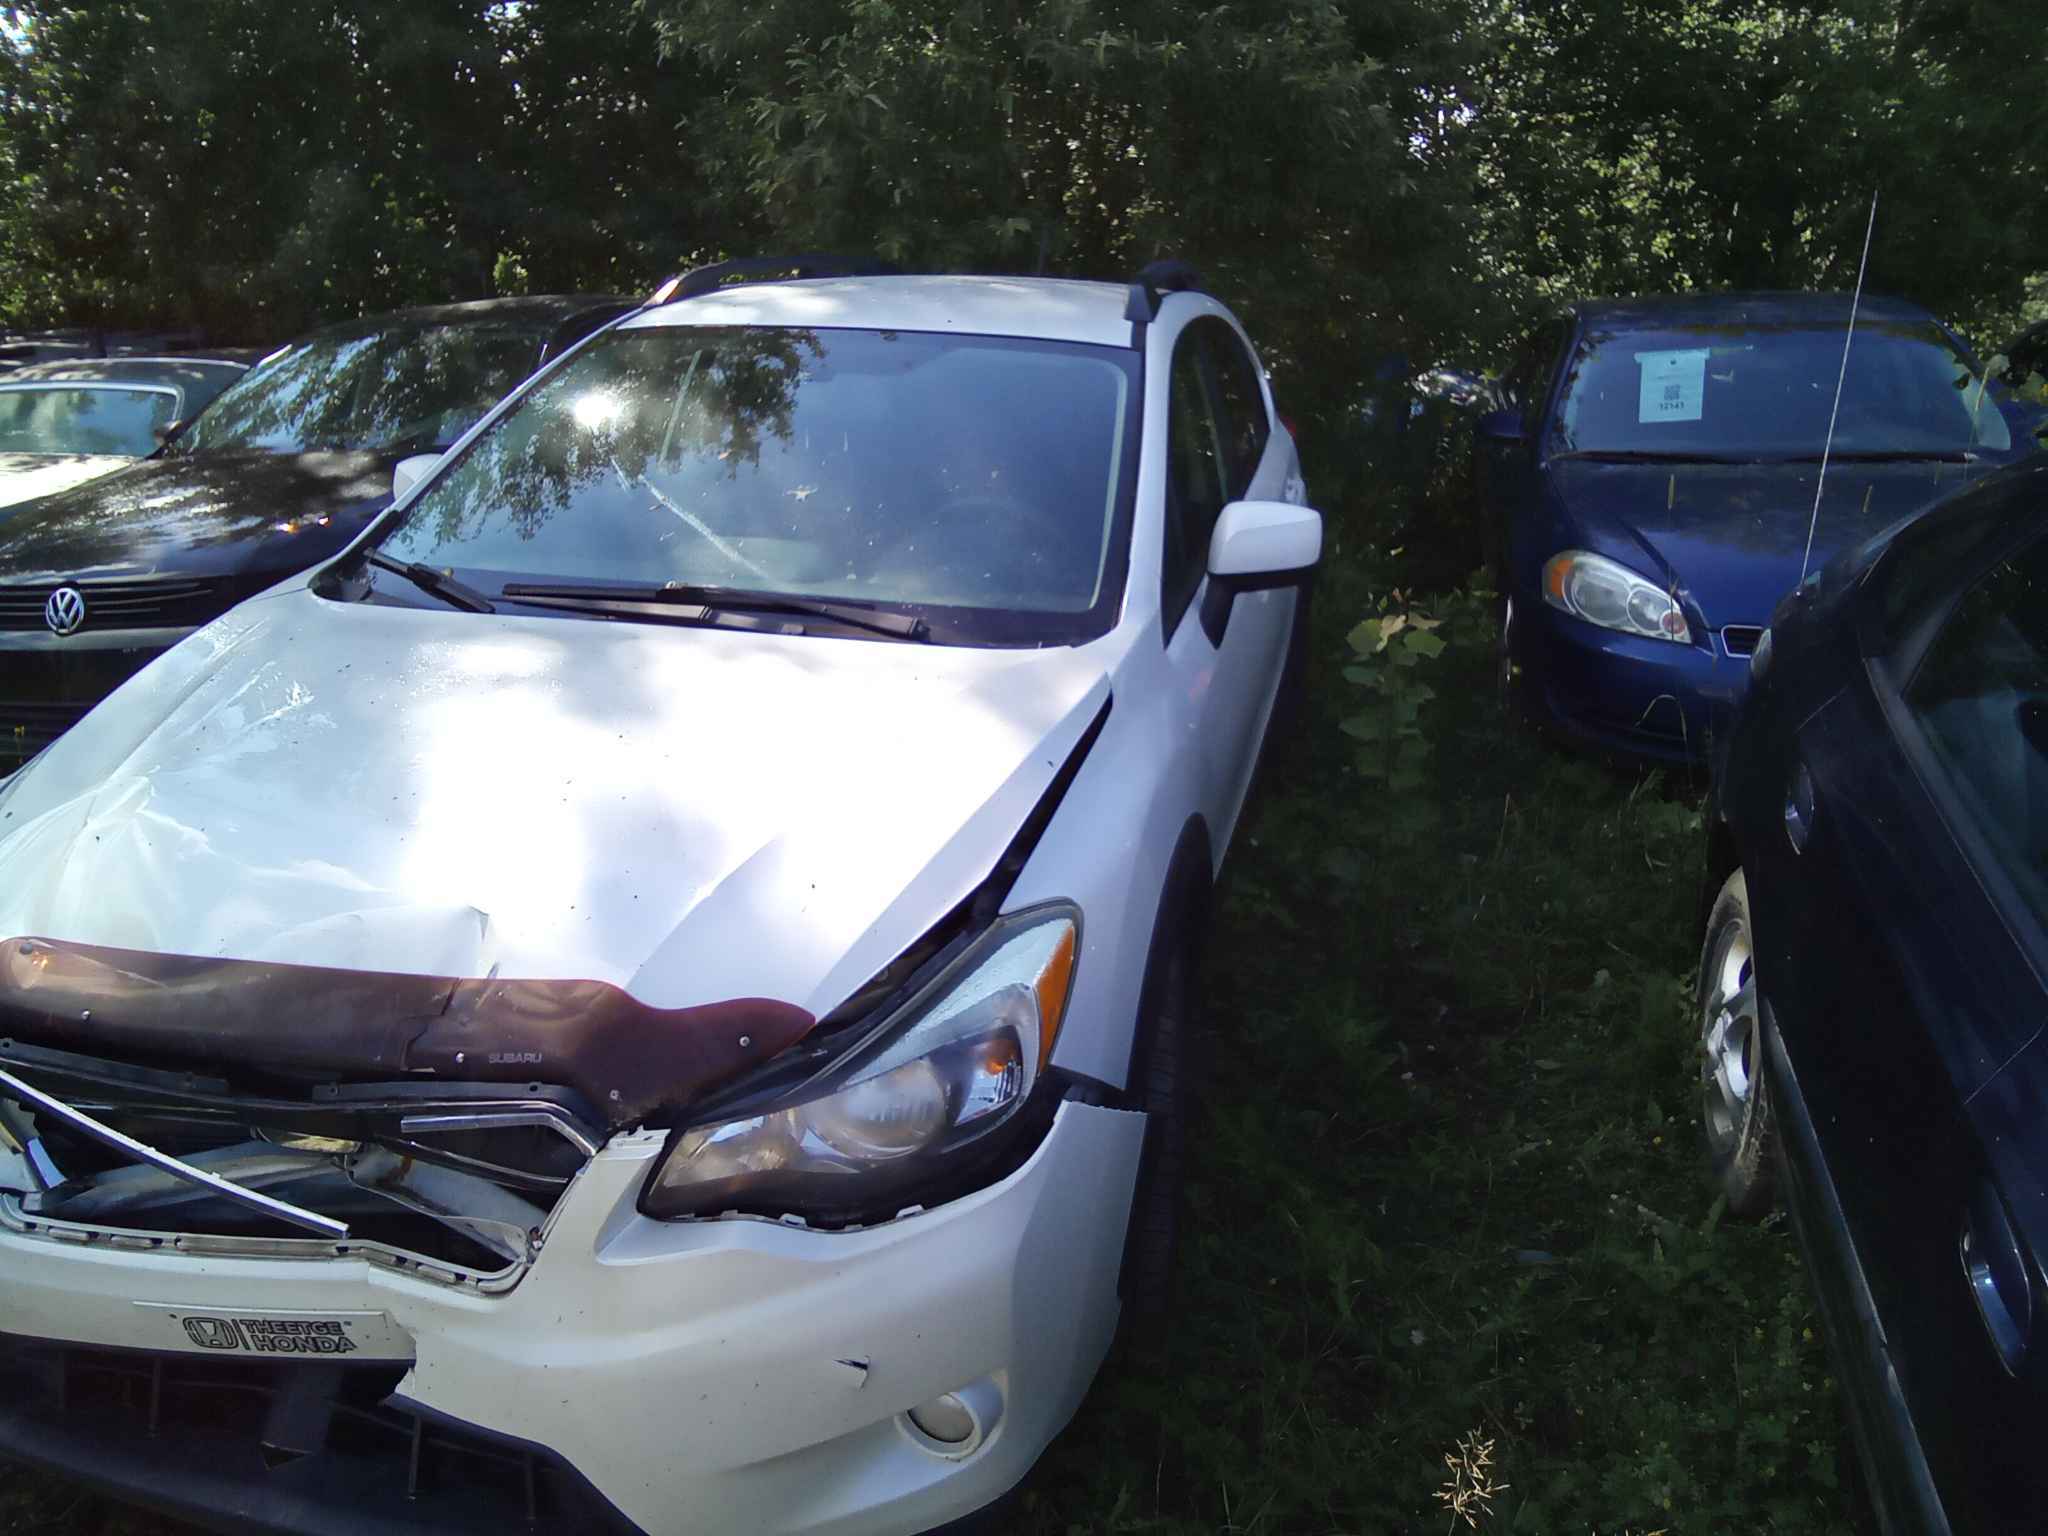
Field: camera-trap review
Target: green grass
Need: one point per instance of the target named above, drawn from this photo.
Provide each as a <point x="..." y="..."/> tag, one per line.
<point x="1450" y="1186"/>
<point x="1448" y="1182"/>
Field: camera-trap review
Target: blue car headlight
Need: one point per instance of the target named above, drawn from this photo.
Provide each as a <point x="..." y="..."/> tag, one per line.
<point x="1604" y="592"/>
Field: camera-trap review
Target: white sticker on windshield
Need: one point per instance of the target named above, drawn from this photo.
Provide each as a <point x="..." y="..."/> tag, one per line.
<point x="1674" y="385"/>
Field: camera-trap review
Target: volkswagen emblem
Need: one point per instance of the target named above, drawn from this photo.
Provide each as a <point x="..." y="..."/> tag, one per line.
<point x="65" y="611"/>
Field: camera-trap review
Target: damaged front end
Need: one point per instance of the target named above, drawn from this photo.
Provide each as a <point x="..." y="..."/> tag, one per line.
<point x="428" y="1124"/>
<point x="453" y="1186"/>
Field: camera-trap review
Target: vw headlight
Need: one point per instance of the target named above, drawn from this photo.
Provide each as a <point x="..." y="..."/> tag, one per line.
<point x="1600" y="591"/>
<point x="897" y="1114"/>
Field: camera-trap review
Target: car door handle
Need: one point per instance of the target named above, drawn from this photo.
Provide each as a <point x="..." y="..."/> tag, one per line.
<point x="1996" y="1269"/>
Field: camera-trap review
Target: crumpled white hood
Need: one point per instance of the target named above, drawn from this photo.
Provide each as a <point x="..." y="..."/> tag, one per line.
<point x="690" y="814"/>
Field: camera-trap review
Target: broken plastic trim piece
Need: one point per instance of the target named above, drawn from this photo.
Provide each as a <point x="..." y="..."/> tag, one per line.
<point x="17" y="1219"/>
<point x="495" y="1117"/>
<point x="106" y="1135"/>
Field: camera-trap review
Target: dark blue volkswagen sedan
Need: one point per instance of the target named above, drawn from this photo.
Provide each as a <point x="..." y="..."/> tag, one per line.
<point x="1647" y="485"/>
<point x="1871" y="995"/>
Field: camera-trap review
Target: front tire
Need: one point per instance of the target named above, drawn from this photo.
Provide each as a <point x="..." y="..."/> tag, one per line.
<point x="1735" y="1098"/>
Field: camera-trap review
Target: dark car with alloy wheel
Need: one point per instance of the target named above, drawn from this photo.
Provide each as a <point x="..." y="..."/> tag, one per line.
<point x="283" y="469"/>
<point x="1871" y="989"/>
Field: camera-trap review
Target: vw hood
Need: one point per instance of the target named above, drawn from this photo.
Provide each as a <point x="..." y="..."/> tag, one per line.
<point x="204" y="515"/>
<point x="688" y="815"/>
<point x="1733" y="535"/>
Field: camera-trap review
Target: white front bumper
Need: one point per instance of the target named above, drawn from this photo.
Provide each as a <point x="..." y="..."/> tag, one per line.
<point x="705" y="1377"/>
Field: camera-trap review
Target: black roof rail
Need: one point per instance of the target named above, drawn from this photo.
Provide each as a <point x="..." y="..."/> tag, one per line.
<point x="1154" y="280"/>
<point x="719" y="274"/>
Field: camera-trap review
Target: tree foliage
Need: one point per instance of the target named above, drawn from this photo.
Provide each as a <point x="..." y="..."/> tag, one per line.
<point x="1647" y="145"/>
<point x="253" y="167"/>
<point x="1360" y="177"/>
<point x="1299" y="153"/>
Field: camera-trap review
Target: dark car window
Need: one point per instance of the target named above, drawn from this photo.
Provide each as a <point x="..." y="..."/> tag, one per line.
<point x="1197" y="477"/>
<point x="1980" y="695"/>
<point x="955" y="474"/>
<point x="61" y="420"/>
<point x="1243" y="404"/>
<point x="403" y="388"/>
<point x="203" y="385"/>
<point x="1769" y="391"/>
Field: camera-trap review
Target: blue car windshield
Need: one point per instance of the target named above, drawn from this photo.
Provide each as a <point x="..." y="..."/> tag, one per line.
<point x="1754" y="392"/>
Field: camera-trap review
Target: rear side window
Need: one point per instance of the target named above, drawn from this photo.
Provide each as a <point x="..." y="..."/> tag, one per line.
<point x="1980" y="695"/>
<point x="1243" y="405"/>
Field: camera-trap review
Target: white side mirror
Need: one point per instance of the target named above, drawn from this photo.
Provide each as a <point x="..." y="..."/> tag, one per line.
<point x="1264" y="543"/>
<point x="409" y="472"/>
<point x="1257" y="545"/>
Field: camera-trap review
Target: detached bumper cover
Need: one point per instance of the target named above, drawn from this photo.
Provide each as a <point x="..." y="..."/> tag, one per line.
<point x="735" y="1375"/>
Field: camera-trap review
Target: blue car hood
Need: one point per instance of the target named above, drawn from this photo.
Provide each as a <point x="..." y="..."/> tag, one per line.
<point x="1733" y="534"/>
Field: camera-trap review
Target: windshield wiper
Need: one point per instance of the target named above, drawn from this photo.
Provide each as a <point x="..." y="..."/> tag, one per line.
<point x="1652" y="456"/>
<point x="897" y="626"/>
<point x="443" y="584"/>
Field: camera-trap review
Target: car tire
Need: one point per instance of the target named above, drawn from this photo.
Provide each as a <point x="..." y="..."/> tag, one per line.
<point x="1160" y="1087"/>
<point x="1506" y="671"/>
<point x="1735" y="1098"/>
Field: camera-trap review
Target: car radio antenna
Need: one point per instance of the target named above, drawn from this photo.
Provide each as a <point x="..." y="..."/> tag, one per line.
<point x="1820" y="481"/>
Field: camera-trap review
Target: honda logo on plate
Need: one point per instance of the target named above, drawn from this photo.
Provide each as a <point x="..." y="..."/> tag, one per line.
<point x="65" y="611"/>
<point x="213" y="1333"/>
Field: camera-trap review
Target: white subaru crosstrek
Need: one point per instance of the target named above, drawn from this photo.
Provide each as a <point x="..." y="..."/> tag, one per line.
<point x="646" y="993"/>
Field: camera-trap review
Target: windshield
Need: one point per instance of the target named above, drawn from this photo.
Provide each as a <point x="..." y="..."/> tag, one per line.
<point x="68" y="419"/>
<point x="400" y="389"/>
<point x="966" y="477"/>
<point x="1763" y="393"/>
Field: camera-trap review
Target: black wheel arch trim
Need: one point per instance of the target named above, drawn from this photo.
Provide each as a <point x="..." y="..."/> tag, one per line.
<point x="1185" y="897"/>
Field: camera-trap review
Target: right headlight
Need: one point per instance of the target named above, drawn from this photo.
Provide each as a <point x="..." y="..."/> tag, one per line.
<point x="1604" y="592"/>
<point x="898" y="1115"/>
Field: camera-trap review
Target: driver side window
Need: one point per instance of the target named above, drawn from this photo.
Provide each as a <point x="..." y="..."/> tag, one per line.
<point x="1195" y="480"/>
<point x="1981" y="696"/>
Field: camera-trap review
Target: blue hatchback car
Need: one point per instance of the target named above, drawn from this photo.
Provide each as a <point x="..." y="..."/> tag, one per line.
<point x="1648" y="479"/>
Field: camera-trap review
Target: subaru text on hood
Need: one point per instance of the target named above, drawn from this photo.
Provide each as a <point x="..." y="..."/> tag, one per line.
<point x="667" y="959"/>
<point x="1648" y="487"/>
<point x="279" y="472"/>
